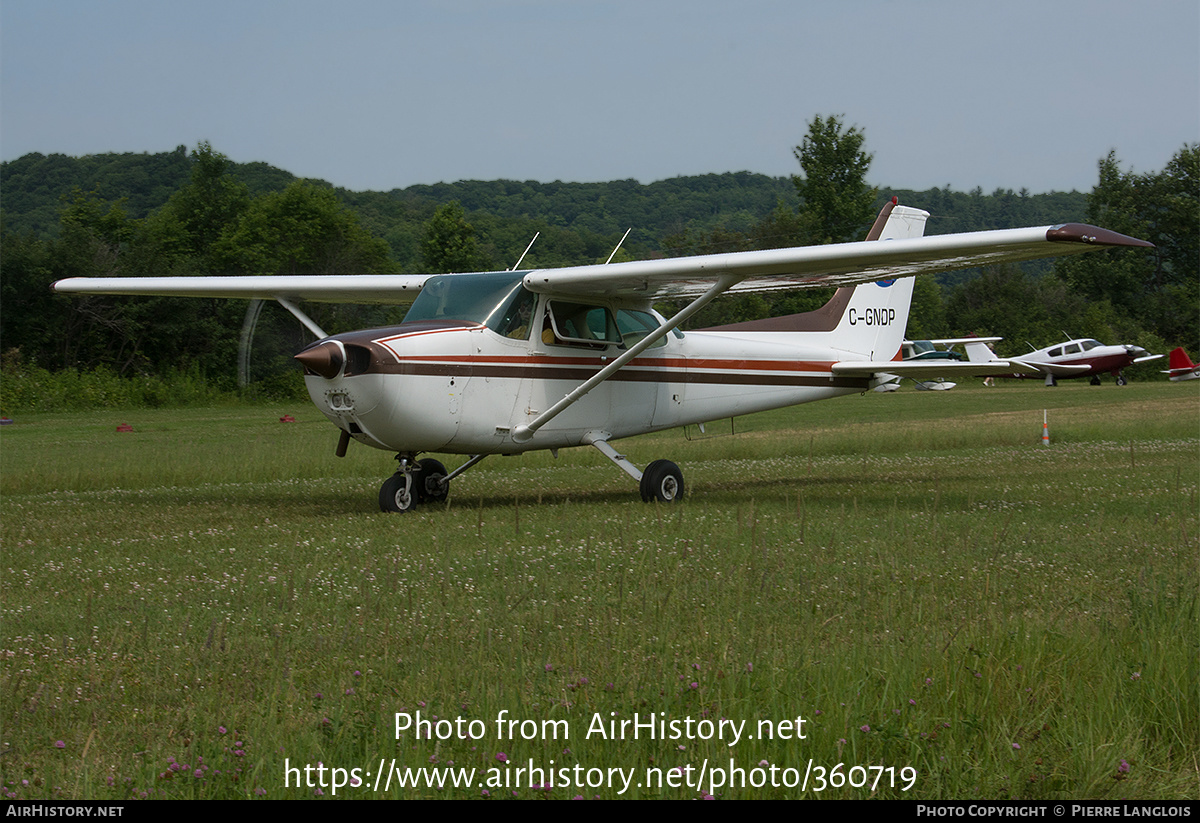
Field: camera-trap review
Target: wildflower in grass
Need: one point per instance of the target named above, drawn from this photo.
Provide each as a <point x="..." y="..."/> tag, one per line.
<point x="485" y="793"/>
<point x="749" y="667"/>
<point x="864" y="728"/>
<point x="1016" y="746"/>
<point x="1123" y="768"/>
<point x="260" y="791"/>
<point x="549" y="668"/>
<point x="221" y="730"/>
<point x="1135" y="676"/>
<point x="58" y="744"/>
<point x="502" y="757"/>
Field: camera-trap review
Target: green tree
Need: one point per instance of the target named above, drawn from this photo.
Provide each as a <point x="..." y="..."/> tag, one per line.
<point x="1160" y="290"/>
<point x="303" y="229"/>
<point x="836" y="204"/>
<point x="196" y="216"/>
<point x="450" y="243"/>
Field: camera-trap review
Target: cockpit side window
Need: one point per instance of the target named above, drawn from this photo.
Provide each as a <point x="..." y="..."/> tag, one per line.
<point x="634" y="325"/>
<point x="582" y="324"/>
<point x="514" y="318"/>
<point x="1088" y="345"/>
<point x="1071" y="349"/>
<point x="1054" y="353"/>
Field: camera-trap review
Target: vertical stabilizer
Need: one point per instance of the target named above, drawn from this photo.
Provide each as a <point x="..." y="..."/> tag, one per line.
<point x="866" y="321"/>
<point x="876" y="314"/>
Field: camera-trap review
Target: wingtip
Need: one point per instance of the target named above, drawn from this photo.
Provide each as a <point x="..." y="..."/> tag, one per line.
<point x="1093" y="236"/>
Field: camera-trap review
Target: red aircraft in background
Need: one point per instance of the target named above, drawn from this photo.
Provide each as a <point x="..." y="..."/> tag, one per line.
<point x="1182" y="367"/>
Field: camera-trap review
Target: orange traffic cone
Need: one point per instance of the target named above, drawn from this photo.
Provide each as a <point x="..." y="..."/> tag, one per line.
<point x="1045" y="430"/>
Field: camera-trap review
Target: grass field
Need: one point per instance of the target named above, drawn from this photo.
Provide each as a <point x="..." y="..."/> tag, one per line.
<point x="895" y="596"/>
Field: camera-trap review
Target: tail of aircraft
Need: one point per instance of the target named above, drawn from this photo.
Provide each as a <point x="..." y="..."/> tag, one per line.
<point x="979" y="352"/>
<point x="1181" y="366"/>
<point x="1180" y="360"/>
<point x="867" y="320"/>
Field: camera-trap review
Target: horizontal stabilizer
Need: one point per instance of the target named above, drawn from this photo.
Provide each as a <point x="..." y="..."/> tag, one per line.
<point x="929" y="369"/>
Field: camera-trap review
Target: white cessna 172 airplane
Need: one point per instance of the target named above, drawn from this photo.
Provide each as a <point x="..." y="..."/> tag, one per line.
<point x="507" y="362"/>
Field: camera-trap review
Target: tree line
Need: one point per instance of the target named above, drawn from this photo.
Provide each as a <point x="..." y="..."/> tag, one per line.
<point x="198" y="212"/>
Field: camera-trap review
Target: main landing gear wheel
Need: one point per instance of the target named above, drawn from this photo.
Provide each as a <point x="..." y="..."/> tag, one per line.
<point x="662" y="481"/>
<point x="1121" y="381"/>
<point x="430" y="480"/>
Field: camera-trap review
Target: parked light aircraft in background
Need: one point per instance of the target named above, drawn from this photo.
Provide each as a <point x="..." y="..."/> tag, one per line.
<point x="508" y="362"/>
<point x="1182" y="367"/>
<point x="1076" y="358"/>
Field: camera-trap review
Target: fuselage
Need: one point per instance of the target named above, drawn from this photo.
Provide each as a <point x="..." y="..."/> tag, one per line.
<point x="461" y="386"/>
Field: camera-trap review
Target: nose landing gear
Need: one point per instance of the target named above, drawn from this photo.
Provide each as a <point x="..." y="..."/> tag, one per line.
<point x="415" y="482"/>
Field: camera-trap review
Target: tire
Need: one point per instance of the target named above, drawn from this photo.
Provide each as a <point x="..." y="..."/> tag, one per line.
<point x="392" y="496"/>
<point x="663" y="482"/>
<point x="428" y="489"/>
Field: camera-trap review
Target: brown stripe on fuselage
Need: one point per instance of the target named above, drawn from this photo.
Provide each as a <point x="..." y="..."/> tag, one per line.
<point x="467" y="368"/>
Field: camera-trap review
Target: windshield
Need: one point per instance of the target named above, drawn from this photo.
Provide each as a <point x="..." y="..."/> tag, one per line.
<point x="471" y="298"/>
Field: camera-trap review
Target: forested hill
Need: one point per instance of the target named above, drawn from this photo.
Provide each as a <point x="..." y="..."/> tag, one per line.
<point x="33" y="188"/>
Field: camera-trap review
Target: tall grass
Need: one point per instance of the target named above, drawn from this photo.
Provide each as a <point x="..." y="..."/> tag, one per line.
<point x="189" y="605"/>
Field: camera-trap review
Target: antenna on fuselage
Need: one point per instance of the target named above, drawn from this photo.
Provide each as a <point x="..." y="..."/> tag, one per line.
<point x="622" y="240"/>
<point x="536" y="234"/>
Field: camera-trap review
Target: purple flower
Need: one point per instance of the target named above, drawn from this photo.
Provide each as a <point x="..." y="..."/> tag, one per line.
<point x="1124" y="767"/>
<point x="1016" y="745"/>
<point x="221" y="729"/>
<point x="502" y="757"/>
<point x="58" y="744"/>
<point x="864" y="728"/>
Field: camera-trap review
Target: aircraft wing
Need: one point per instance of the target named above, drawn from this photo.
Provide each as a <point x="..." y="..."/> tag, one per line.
<point x="929" y="369"/>
<point x="324" y="288"/>
<point x="1056" y="369"/>
<point x="952" y="341"/>
<point x="838" y="264"/>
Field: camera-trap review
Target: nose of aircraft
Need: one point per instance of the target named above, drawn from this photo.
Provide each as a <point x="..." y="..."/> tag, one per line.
<point x="326" y="359"/>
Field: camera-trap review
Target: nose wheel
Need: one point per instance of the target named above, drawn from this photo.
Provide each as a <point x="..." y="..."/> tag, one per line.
<point x="415" y="482"/>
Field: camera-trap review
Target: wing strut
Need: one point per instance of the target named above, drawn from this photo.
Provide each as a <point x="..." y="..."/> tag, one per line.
<point x="524" y="432"/>
<point x="302" y="317"/>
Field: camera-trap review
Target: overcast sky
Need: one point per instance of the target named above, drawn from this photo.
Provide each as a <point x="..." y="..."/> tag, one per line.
<point x="381" y="94"/>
